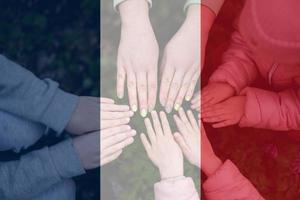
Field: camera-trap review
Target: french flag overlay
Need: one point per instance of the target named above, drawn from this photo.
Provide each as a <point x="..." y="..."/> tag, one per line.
<point x="49" y="100"/>
<point x="250" y="101"/>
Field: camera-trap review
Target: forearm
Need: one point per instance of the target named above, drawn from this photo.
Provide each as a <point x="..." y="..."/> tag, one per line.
<point x="25" y="95"/>
<point x="37" y="171"/>
<point x="134" y="12"/>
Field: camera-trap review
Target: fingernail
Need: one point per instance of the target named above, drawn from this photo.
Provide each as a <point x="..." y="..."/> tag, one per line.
<point x="127" y="120"/>
<point x="188" y="98"/>
<point x="133" y="132"/>
<point x="177" y="106"/>
<point x="143" y="112"/>
<point x="168" y="109"/>
<point x="134" y="108"/>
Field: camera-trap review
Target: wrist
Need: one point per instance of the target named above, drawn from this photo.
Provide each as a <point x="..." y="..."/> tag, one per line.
<point x="211" y="165"/>
<point x="134" y="12"/>
<point x="171" y="174"/>
<point x="207" y="19"/>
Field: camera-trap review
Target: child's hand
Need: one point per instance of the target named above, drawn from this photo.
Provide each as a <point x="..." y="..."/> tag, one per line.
<point x="225" y="113"/>
<point x="209" y="161"/>
<point x="215" y="93"/>
<point x="162" y="149"/>
<point x="113" y="140"/>
<point x="196" y="102"/>
<point x="189" y="136"/>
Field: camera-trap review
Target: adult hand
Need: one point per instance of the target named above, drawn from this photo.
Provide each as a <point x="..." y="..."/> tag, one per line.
<point x="188" y="137"/>
<point x="162" y="149"/>
<point x="113" y="115"/>
<point x="181" y="62"/>
<point x="137" y="56"/>
<point x="113" y="141"/>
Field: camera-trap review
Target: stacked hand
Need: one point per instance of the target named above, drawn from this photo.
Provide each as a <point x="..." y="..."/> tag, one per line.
<point x="114" y="135"/>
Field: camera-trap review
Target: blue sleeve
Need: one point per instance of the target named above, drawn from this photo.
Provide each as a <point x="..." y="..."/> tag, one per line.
<point x="17" y="133"/>
<point x="39" y="170"/>
<point x="25" y="95"/>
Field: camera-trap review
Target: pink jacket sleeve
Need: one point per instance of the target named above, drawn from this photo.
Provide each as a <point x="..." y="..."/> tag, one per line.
<point x="178" y="189"/>
<point x="229" y="184"/>
<point x="238" y="68"/>
<point x="271" y="110"/>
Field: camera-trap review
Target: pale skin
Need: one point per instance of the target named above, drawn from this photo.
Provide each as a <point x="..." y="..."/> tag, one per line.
<point x="180" y="65"/>
<point x="138" y="59"/>
<point x="189" y="138"/>
<point x="161" y="147"/>
<point x="137" y="56"/>
<point x="115" y="133"/>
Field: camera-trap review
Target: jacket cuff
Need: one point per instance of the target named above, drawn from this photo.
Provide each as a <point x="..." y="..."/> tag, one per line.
<point x="66" y="160"/>
<point x="190" y="2"/>
<point x="253" y="114"/>
<point x="214" y="5"/>
<point x="182" y="188"/>
<point x="117" y="2"/>
<point x="59" y="111"/>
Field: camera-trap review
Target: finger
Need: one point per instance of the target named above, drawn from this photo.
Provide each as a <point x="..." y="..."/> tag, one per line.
<point x="117" y="147"/>
<point x="193" y="121"/>
<point x="110" y="158"/>
<point x="114" y="108"/>
<point x="215" y="119"/>
<point x="183" y="90"/>
<point x="146" y="143"/>
<point x="181" y="142"/>
<point x="185" y="120"/>
<point x="173" y="91"/>
<point x="142" y="93"/>
<point x="192" y="86"/>
<point x="152" y="89"/>
<point x="181" y="127"/>
<point x="156" y="124"/>
<point x="150" y="131"/>
<point x="223" y="124"/>
<point x="213" y="113"/>
<point x="112" y="140"/>
<point x="196" y="101"/>
<point x="113" y="123"/>
<point x="167" y="77"/>
<point x="115" y="115"/>
<point x="121" y="76"/>
<point x="165" y="124"/>
<point x="106" y="100"/>
<point x="131" y="85"/>
<point x="113" y="131"/>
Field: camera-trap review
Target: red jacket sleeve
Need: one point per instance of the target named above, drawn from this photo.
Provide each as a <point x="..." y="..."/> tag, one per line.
<point x="238" y="68"/>
<point x="271" y="110"/>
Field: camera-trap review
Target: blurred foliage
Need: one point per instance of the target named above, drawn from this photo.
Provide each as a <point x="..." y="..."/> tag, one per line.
<point x="57" y="39"/>
<point x="269" y="159"/>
